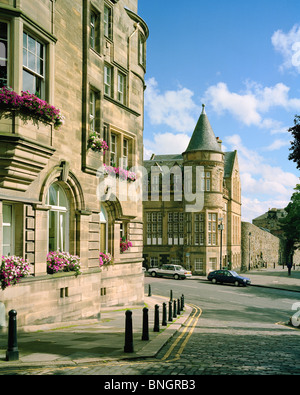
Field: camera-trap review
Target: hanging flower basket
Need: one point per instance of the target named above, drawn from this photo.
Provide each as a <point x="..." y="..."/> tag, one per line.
<point x="58" y="261"/>
<point x="124" y="244"/>
<point x="125" y="175"/>
<point x="105" y="259"/>
<point x="96" y="143"/>
<point x="12" y="269"/>
<point x="29" y="108"/>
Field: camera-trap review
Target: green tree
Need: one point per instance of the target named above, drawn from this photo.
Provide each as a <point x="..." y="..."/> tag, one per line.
<point x="290" y="225"/>
<point x="295" y="144"/>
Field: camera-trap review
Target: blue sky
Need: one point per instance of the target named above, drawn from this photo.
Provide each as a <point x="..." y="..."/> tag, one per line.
<point x="242" y="59"/>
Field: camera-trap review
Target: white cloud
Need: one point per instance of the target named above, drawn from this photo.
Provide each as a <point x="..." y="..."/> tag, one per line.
<point x="166" y="143"/>
<point x="277" y="144"/>
<point x="174" y="108"/>
<point x="252" y="207"/>
<point x="288" y="45"/>
<point x="250" y="106"/>
<point x="263" y="186"/>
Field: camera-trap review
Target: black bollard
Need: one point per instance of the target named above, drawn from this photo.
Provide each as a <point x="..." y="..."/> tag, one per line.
<point x="12" y="353"/>
<point x="178" y="306"/>
<point x="156" y="319"/>
<point x="149" y="291"/>
<point x="145" y="335"/>
<point x="164" y="319"/>
<point x="182" y="301"/>
<point x="171" y="295"/>
<point x="128" y="332"/>
<point x="170" y="312"/>
<point x="174" y="309"/>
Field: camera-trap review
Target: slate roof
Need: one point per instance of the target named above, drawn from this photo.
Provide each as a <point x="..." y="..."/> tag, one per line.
<point x="203" y="138"/>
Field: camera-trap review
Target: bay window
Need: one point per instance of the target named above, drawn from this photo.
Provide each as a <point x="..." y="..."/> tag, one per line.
<point x="3" y="54"/>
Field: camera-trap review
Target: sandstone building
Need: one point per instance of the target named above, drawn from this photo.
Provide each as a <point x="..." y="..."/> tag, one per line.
<point x="203" y="235"/>
<point x="86" y="58"/>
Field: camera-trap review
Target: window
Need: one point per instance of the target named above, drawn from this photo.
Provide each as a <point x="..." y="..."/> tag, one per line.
<point x="199" y="265"/>
<point x="121" y="88"/>
<point x="33" y="66"/>
<point x="8" y="231"/>
<point x="95" y="31"/>
<point x="108" y="80"/>
<point x="213" y="263"/>
<point x="153" y="262"/>
<point x="94" y="118"/>
<point x="113" y="150"/>
<point x="154" y="228"/>
<point x="3" y="54"/>
<point x="107" y="22"/>
<point x="199" y="229"/>
<point x="205" y="181"/>
<point x="212" y="229"/>
<point x="154" y="183"/>
<point x="125" y="153"/>
<point x="142" y="50"/>
<point x="58" y="219"/>
<point x="175" y="228"/>
<point x="103" y="231"/>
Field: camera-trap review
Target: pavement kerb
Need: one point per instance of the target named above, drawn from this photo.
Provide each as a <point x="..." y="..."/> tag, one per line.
<point x="150" y="350"/>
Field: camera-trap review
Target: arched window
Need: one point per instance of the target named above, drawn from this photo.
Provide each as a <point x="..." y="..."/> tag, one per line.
<point x="58" y="224"/>
<point x="103" y="230"/>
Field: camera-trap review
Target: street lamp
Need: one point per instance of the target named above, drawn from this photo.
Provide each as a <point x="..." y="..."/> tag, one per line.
<point x="221" y="227"/>
<point x="249" y="249"/>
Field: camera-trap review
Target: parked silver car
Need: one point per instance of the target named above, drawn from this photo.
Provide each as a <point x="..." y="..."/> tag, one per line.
<point x="171" y="271"/>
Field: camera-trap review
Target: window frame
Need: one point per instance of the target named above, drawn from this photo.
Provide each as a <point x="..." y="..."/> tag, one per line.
<point x="7" y="50"/>
<point x="94" y="111"/>
<point x="108" y="22"/>
<point x="142" y="50"/>
<point x="154" y="228"/>
<point x="95" y="28"/>
<point x="108" y="80"/>
<point x="121" y="88"/>
<point x="40" y="79"/>
<point x="11" y="225"/>
<point x="58" y="210"/>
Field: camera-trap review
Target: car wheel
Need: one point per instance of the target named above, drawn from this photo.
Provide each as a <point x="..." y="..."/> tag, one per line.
<point x="214" y="281"/>
<point x="176" y="276"/>
<point x="236" y="283"/>
<point x="153" y="274"/>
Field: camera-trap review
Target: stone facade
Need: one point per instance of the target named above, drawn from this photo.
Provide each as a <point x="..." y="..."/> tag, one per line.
<point x="260" y="248"/>
<point x="92" y="65"/>
<point x="177" y="230"/>
<point x="270" y="221"/>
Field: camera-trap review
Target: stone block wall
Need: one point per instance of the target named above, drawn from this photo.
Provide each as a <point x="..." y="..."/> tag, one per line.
<point x="261" y="248"/>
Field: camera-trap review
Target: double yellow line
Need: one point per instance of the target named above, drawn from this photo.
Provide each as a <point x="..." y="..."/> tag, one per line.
<point x="184" y="336"/>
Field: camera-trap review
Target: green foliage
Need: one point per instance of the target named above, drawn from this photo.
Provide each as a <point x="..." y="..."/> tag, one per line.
<point x="295" y="144"/>
<point x="290" y="224"/>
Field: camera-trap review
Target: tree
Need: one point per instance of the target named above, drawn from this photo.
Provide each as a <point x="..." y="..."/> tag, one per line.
<point x="290" y="225"/>
<point x="295" y="144"/>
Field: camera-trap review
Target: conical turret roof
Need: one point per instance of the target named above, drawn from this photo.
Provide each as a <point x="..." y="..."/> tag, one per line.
<point x="203" y="138"/>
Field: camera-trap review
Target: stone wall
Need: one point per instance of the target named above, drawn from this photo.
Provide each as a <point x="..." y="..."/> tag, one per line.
<point x="260" y="249"/>
<point x="52" y="298"/>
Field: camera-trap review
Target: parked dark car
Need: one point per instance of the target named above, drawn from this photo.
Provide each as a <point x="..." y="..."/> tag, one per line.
<point x="228" y="276"/>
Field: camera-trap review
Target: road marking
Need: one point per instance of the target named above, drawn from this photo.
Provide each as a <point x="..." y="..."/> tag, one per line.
<point x="196" y="315"/>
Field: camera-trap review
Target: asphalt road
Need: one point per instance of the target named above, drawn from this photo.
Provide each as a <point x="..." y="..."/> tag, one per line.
<point x="232" y="331"/>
